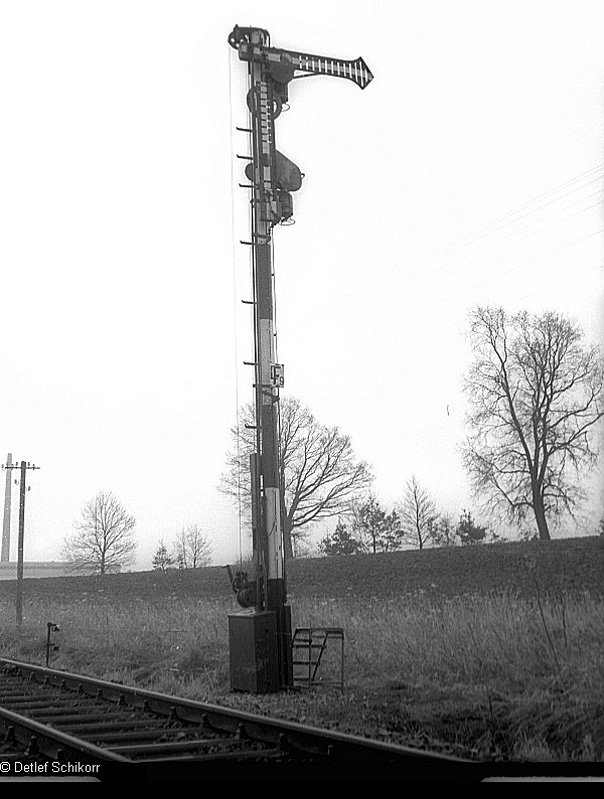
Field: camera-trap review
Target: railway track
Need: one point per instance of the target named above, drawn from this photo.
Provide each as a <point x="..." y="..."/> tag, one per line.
<point x="55" y="722"/>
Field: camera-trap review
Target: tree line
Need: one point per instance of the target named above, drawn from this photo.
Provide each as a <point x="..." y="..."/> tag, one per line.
<point x="535" y="396"/>
<point x="535" y="393"/>
<point x="414" y="523"/>
<point x="191" y="549"/>
<point x="104" y="541"/>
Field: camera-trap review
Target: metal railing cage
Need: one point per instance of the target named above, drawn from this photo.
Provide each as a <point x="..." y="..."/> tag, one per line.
<point x="314" y="662"/>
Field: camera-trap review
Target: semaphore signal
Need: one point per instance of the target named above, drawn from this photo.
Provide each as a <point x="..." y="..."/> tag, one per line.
<point x="260" y="637"/>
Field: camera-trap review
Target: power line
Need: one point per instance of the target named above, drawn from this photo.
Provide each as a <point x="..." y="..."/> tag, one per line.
<point x="553" y="214"/>
<point x="475" y="240"/>
<point x="466" y="264"/>
<point x="520" y="210"/>
<point x="460" y="268"/>
<point x="439" y="303"/>
<point x="493" y="277"/>
<point x="518" y="299"/>
<point x="459" y="256"/>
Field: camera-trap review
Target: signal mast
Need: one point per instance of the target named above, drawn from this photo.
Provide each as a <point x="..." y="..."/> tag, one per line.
<point x="260" y="636"/>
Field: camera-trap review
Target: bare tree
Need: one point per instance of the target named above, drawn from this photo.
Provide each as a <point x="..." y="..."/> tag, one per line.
<point x="320" y="474"/>
<point x="192" y="549"/>
<point x="417" y="514"/>
<point x="104" y="540"/>
<point x="535" y="392"/>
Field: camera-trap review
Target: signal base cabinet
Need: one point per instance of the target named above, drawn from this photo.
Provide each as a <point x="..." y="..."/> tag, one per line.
<point x="253" y="651"/>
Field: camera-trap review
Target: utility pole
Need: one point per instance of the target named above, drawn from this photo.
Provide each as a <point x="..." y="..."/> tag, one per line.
<point x="261" y="637"/>
<point x="5" y="556"/>
<point x="19" y="600"/>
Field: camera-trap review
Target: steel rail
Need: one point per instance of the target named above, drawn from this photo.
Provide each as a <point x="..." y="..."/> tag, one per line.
<point x="52" y="742"/>
<point x="275" y="738"/>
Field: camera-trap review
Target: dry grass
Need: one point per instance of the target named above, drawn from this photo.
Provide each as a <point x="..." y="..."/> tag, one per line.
<point x="494" y="674"/>
<point x="511" y="673"/>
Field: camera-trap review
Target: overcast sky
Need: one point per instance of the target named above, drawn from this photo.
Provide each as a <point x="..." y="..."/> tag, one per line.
<point x="469" y="171"/>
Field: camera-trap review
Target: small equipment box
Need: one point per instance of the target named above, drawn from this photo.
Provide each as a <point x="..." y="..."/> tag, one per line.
<point x="254" y="651"/>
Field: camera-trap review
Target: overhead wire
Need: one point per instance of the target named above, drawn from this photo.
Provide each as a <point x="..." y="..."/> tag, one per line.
<point x="472" y="288"/>
<point x="518" y="299"/>
<point x="520" y="211"/>
<point x="562" y="282"/>
<point x="548" y="215"/>
<point x="521" y="217"/>
<point x="466" y="264"/>
<point x="508" y="241"/>
<point x="502" y="273"/>
<point x="520" y="266"/>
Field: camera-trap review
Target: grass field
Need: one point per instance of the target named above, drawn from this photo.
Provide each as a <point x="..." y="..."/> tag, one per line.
<point x="488" y="651"/>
